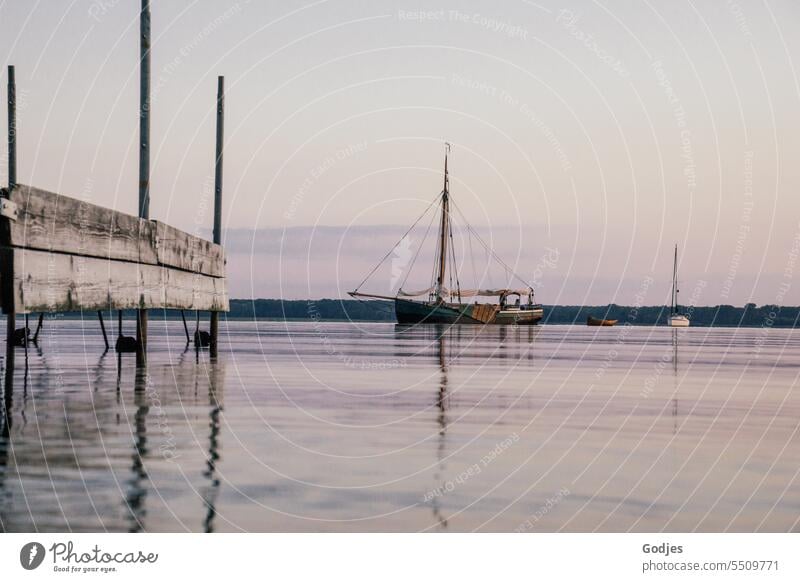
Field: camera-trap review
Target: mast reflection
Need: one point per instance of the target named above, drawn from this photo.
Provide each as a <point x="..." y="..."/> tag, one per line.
<point x="675" y="371"/>
<point x="443" y="404"/>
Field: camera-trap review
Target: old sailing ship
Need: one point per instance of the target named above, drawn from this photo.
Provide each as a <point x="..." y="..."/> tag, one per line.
<point x="445" y="303"/>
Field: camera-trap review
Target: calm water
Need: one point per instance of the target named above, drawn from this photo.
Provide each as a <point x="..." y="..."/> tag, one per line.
<point x="345" y="427"/>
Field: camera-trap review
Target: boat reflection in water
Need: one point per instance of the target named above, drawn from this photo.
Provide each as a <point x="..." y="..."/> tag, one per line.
<point x="446" y="344"/>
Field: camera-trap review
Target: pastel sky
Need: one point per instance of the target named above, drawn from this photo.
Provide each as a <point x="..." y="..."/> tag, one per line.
<point x="588" y="137"/>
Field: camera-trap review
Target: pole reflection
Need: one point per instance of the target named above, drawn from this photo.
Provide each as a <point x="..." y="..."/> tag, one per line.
<point x="136" y="494"/>
<point x="215" y="391"/>
<point x="5" y="445"/>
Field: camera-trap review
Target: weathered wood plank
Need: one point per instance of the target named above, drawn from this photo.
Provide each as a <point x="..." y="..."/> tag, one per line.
<point x="181" y="250"/>
<point x="45" y="281"/>
<point x="52" y="222"/>
<point x="49" y="221"/>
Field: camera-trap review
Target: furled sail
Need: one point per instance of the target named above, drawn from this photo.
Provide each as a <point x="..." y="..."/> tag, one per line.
<point x="465" y="292"/>
<point x="492" y="292"/>
<point x="428" y="291"/>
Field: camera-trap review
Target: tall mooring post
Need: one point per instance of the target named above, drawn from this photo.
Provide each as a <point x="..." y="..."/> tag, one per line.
<point x="144" y="158"/>
<point x="214" y="331"/>
<point x="12" y="181"/>
<point x="12" y="127"/>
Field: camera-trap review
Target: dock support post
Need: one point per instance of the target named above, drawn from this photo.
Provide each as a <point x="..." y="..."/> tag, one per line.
<point x="103" y="327"/>
<point x="38" y="329"/>
<point x="196" y="330"/>
<point x="11" y="319"/>
<point x="12" y="181"/>
<point x="11" y="326"/>
<point x="214" y="327"/>
<point x="185" y="327"/>
<point x="144" y="158"/>
<point x="12" y="127"/>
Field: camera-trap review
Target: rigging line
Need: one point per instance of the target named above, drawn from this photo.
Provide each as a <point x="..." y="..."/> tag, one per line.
<point x="438" y="254"/>
<point x="472" y="262"/>
<point x="419" y="248"/>
<point x="386" y="256"/>
<point x="455" y="265"/>
<point x="490" y="251"/>
<point x="433" y="265"/>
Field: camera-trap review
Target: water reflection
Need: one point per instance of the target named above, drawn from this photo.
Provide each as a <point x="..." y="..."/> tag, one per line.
<point x="450" y="346"/>
<point x="215" y="385"/>
<point x="675" y="378"/>
<point x="5" y="431"/>
<point x="137" y="483"/>
<point x="103" y="451"/>
<point x="443" y="404"/>
<point x="130" y="430"/>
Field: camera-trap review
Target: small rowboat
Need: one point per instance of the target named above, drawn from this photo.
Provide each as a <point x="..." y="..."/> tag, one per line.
<point x="600" y="322"/>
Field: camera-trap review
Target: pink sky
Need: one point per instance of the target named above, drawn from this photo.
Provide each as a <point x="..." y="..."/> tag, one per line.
<point x="607" y="134"/>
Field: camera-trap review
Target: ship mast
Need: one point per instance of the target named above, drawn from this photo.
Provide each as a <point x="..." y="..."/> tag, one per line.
<point x="675" y="282"/>
<point x="444" y="229"/>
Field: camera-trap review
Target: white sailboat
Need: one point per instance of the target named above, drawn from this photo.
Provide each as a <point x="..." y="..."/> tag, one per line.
<point x="676" y="319"/>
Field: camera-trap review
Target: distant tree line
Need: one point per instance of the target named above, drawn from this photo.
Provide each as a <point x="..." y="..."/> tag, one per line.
<point x="348" y="309"/>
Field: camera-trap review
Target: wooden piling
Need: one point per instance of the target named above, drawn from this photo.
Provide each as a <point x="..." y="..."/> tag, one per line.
<point x="185" y="327"/>
<point x="144" y="158"/>
<point x="103" y="328"/>
<point x="12" y="127"/>
<point x="214" y="326"/>
<point x="12" y="181"/>
<point x="38" y="329"/>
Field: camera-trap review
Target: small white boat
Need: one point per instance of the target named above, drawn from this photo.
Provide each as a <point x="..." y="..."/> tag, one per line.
<point x="676" y="319"/>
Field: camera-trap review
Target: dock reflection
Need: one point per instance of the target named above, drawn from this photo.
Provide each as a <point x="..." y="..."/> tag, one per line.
<point x="134" y="431"/>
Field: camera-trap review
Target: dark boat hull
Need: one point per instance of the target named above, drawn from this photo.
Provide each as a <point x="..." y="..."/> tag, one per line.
<point x="593" y="321"/>
<point x="410" y="312"/>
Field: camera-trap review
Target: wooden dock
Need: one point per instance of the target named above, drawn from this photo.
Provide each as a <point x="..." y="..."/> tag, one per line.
<point x="61" y="254"/>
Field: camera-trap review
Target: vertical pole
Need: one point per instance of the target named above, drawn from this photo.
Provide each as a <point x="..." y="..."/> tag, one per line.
<point x="103" y="327"/>
<point x="38" y="329"/>
<point x="185" y="327"/>
<point x="144" y="158"/>
<point x="11" y="324"/>
<point x="444" y="229"/>
<point x="25" y="336"/>
<point x="12" y="127"/>
<point x="218" y="197"/>
<point x="12" y="181"/>
<point x="117" y="346"/>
